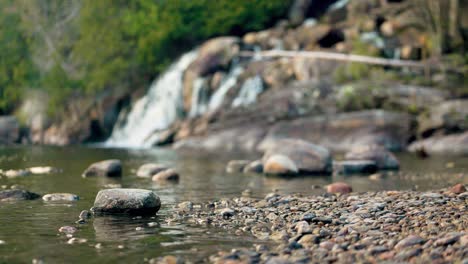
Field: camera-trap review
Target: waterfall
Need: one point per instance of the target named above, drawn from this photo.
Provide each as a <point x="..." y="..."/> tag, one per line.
<point x="251" y="88"/>
<point x="157" y="110"/>
<point x="230" y="81"/>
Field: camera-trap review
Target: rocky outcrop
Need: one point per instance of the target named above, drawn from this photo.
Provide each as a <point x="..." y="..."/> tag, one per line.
<point x="126" y="201"/>
<point x="442" y="144"/>
<point x="110" y="168"/>
<point x="294" y="153"/>
<point x="342" y="132"/>
<point x="9" y="130"/>
<point x="447" y="116"/>
<point x="213" y="56"/>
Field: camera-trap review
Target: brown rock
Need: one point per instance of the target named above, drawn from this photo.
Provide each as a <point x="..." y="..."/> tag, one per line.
<point x="279" y="165"/>
<point x="459" y="188"/>
<point x="305" y="156"/>
<point x="339" y="187"/>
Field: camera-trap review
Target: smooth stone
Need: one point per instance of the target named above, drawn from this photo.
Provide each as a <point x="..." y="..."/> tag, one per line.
<point x="110" y="168"/>
<point x="409" y="241"/>
<point x="131" y="201"/>
<point x="57" y="197"/>
<point x="355" y="167"/>
<point x="306" y="157"/>
<point x="279" y="165"/>
<point x="17" y="195"/>
<point x="255" y="166"/>
<point x="150" y="169"/>
<point x="457" y="189"/>
<point x="339" y="187"/>
<point x="166" y="175"/>
<point x="236" y="166"/>
<point x="384" y="159"/>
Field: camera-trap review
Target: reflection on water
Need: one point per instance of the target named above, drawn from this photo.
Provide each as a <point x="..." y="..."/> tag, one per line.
<point x="30" y="228"/>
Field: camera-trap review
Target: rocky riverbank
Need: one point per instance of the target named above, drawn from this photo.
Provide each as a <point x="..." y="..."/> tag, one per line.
<point x="395" y="226"/>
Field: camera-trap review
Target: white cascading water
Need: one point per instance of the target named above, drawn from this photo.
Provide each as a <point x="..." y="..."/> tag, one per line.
<point x="249" y="91"/>
<point x="157" y="110"/>
<point x="230" y="81"/>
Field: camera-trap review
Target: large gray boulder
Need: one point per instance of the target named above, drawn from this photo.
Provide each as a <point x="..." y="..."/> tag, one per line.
<point x="126" y="201"/>
<point x="9" y="130"/>
<point x="307" y="157"/>
<point x="110" y="168"/>
<point x="17" y="195"/>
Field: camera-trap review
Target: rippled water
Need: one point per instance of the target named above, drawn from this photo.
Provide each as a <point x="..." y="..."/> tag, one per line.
<point x="30" y="228"/>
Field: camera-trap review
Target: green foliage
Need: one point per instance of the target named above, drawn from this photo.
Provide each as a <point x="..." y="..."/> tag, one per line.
<point x="16" y="70"/>
<point x="110" y="44"/>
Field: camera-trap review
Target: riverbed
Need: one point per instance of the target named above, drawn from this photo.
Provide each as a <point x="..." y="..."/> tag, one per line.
<point x="30" y="228"/>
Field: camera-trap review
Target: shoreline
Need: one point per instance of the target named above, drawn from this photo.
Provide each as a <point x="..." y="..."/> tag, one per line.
<point x="396" y="226"/>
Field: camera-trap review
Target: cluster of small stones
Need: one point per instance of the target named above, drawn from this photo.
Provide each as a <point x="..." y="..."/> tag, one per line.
<point x="370" y="227"/>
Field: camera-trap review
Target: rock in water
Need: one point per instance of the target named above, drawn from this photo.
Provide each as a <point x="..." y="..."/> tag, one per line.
<point x="60" y="197"/>
<point x="339" y="187"/>
<point x="235" y="166"/>
<point x="167" y="175"/>
<point x="280" y="165"/>
<point x="307" y="157"/>
<point x="110" y="168"/>
<point x="150" y="169"/>
<point x="254" y="167"/>
<point x="43" y="170"/>
<point x="384" y="159"/>
<point x="17" y="195"/>
<point x="354" y="166"/>
<point x="130" y="201"/>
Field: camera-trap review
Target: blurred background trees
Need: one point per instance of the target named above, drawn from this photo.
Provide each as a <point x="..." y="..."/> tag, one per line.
<point x="82" y="47"/>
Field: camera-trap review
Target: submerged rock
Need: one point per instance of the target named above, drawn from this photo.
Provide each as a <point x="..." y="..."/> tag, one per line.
<point x="110" y="168"/>
<point x="235" y="166"/>
<point x="307" y="157"/>
<point x="131" y="201"/>
<point x="339" y="187"/>
<point x="254" y="167"/>
<point x="384" y="159"/>
<point x="280" y="165"/>
<point x="166" y="175"/>
<point x="354" y="166"/>
<point x="150" y="169"/>
<point x="60" y="197"/>
<point x="17" y="195"/>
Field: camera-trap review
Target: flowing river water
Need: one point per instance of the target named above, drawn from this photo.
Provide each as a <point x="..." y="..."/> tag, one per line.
<point x="29" y="229"/>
